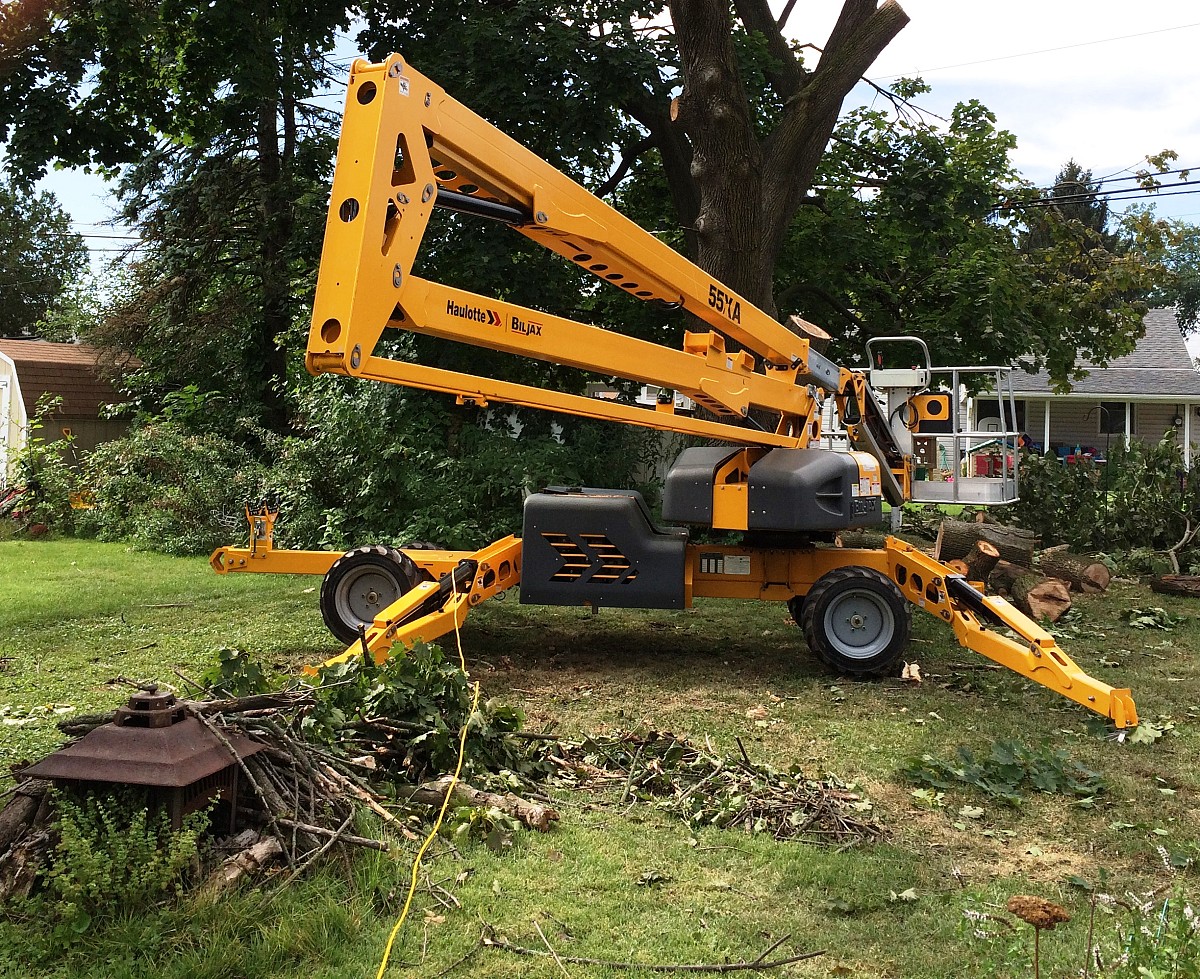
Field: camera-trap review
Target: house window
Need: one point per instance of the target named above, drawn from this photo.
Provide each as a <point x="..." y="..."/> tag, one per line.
<point x="1111" y="416"/>
<point x="990" y="408"/>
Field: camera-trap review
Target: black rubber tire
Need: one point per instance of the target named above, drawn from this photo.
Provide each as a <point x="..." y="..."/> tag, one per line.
<point x="857" y="622"/>
<point x="422" y="545"/>
<point x="361" y="584"/>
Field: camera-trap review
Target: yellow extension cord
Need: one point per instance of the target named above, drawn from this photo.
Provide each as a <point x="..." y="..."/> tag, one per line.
<point x="462" y="747"/>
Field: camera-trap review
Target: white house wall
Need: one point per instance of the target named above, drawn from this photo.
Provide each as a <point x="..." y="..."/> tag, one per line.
<point x="1076" y="422"/>
<point x="13" y="423"/>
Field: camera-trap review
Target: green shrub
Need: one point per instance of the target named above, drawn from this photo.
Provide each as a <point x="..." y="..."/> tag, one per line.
<point x="169" y="489"/>
<point x="114" y="857"/>
<point x="1137" y="504"/>
<point x="44" y="467"/>
<point x="383" y="464"/>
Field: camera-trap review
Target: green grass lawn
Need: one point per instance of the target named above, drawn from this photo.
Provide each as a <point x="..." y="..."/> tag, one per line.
<point x="76" y="617"/>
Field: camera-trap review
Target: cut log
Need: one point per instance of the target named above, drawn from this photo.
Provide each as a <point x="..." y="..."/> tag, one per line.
<point x="981" y="560"/>
<point x="956" y="538"/>
<point x="1042" y="598"/>
<point x="1187" y="585"/>
<point x="869" y="539"/>
<point x="250" y="860"/>
<point x="1005" y="573"/>
<point x="531" y="814"/>
<point x="1082" y="573"/>
<point x="22" y="865"/>
<point x="817" y="338"/>
<point x="1037" y="597"/>
<point x="21" y="812"/>
<point x="960" y="567"/>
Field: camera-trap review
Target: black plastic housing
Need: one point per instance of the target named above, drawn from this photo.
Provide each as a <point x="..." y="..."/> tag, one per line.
<point x="791" y="490"/>
<point x="599" y="547"/>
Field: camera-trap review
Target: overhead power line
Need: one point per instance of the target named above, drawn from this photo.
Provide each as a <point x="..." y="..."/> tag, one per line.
<point x="1029" y="54"/>
<point x="1124" y="195"/>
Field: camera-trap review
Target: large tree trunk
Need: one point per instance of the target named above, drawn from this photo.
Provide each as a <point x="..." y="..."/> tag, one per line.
<point x="956" y="538"/>
<point x="747" y="189"/>
<point x="275" y="232"/>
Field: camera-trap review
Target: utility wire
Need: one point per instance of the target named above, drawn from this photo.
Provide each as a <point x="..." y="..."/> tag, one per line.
<point x="1028" y="54"/>
<point x="1099" y="182"/>
<point x="1124" y="195"/>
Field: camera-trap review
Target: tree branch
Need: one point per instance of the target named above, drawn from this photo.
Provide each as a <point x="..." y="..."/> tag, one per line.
<point x="628" y="156"/>
<point x="785" y="74"/>
<point x="792" y="152"/>
<point x="760" y="964"/>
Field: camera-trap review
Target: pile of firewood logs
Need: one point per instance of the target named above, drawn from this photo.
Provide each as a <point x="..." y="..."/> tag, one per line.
<point x="1007" y="560"/>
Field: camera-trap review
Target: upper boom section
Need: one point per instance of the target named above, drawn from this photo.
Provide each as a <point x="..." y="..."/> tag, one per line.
<point x="406" y="147"/>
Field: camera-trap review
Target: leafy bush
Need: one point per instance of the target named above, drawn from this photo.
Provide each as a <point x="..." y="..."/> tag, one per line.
<point x="43" y="468"/>
<point x="381" y="464"/>
<point x="1138" y="503"/>
<point x="428" y="699"/>
<point x="167" y="488"/>
<point x="374" y="464"/>
<point x="115" y="857"/>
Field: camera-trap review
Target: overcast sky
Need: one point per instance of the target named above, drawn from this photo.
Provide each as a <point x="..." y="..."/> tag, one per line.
<point x="1103" y="82"/>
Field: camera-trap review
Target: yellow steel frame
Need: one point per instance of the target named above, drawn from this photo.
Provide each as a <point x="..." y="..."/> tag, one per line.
<point x="498" y="568"/>
<point x="403" y="140"/>
<point x="262" y="556"/>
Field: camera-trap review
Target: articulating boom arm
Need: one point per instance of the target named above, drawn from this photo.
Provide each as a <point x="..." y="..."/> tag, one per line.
<point x="406" y="147"/>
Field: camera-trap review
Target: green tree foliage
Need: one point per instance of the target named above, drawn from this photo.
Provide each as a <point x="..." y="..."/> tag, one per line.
<point x="41" y="261"/>
<point x="1175" y="247"/>
<point x="199" y="107"/>
<point x="1183" y="261"/>
<point x="924" y="227"/>
<point x="1074" y="197"/>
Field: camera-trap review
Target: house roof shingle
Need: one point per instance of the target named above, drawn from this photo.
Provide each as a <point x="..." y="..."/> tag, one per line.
<point x="1160" y="366"/>
<point x="66" y="369"/>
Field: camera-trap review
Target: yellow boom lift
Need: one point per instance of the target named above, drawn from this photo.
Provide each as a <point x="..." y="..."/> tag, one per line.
<point x="407" y="147"/>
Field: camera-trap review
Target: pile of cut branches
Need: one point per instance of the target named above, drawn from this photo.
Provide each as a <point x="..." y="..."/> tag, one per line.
<point x="380" y="740"/>
<point x="368" y="738"/>
<point x="705" y="789"/>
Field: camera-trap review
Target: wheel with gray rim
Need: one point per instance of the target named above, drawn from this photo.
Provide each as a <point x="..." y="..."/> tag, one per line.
<point x="361" y="584"/>
<point x="856" y="621"/>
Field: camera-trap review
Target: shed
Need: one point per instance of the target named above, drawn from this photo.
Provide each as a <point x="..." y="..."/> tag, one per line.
<point x="1152" y="392"/>
<point x="31" y="369"/>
